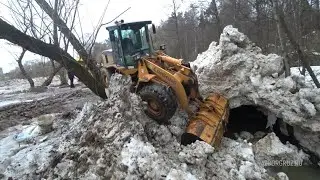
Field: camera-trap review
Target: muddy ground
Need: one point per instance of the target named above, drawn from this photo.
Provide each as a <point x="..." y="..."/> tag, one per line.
<point x="20" y="107"/>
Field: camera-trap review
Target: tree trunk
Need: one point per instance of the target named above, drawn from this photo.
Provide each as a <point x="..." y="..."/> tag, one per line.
<point x="23" y="71"/>
<point x="64" y="29"/>
<point x="63" y="77"/>
<point x="71" y="37"/>
<point x="177" y="26"/>
<point x="29" y="43"/>
<point x="317" y="4"/>
<point x="281" y="39"/>
<point x="258" y="24"/>
<point x="48" y="81"/>
<point x="302" y="9"/>
<point x="216" y="14"/>
<point x="296" y="46"/>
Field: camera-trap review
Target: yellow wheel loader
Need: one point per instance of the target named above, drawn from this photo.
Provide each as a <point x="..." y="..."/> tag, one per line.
<point x="163" y="83"/>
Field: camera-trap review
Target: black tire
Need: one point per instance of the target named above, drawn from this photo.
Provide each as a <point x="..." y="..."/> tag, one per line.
<point x="162" y="97"/>
<point x="106" y="76"/>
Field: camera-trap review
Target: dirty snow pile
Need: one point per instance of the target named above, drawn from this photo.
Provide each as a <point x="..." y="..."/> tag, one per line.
<point x="115" y="140"/>
<point x="237" y="68"/>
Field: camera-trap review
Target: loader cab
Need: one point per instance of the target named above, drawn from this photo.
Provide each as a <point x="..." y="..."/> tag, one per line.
<point x="130" y="41"/>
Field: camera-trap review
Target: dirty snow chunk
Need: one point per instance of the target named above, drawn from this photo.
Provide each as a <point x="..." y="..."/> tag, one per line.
<point x="28" y="133"/>
<point x="312" y="95"/>
<point x="270" y="148"/>
<point x="141" y="157"/>
<point x="235" y="160"/>
<point x="256" y="80"/>
<point x="272" y="118"/>
<point x="30" y="160"/>
<point x="259" y="134"/>
<point x="287" y="84"/>
<point x="196" y="152"/>
<point x="160" y="134"/>
<point x="246" y="135"/>
<point x="282" y="176"/>
<point x="308" y="107"/>
<point x="249" y="170"/>
<point x="175" y="174"/>
<point x="274" y="65"/>
<point x="45" y="122"/>
<point x="232" y="35"/>
<point x="64" y="168"/>
<point x="137" y="153"/>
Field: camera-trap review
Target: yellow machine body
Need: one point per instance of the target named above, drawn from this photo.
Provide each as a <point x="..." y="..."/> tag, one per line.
<point x="163" y="82"/>
<point x="209" y="121"/>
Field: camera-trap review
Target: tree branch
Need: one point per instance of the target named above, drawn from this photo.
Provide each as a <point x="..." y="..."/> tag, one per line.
<point x="29" y="43"/>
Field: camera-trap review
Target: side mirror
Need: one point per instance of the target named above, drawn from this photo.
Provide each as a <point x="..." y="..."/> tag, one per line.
<point x="163" y="47"/>
<point x="154" y="29"/>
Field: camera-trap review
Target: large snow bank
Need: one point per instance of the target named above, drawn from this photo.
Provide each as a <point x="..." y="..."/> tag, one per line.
<point x="238" y="69"/>
<point x="112" y="140"/>
<point x="115" y="140"/>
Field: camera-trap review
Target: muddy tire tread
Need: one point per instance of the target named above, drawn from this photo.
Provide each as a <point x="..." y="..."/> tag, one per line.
<point x="164" y="95"/>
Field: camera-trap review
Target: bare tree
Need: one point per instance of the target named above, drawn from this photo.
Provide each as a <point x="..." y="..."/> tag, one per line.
<point x="23" y="71"/>
<point x="36" y="24"/>
<point x="43" y="27"/>
<point x="85" y="56"/>
<point x="281" y="38"/>
<point x="213" y="9"/>
<point x="69" y="15"/>
<point x="296" y="46"/>
<point x="23" y="23"/>
<point x="13" y="35"/>
<point x="175" y="16"/>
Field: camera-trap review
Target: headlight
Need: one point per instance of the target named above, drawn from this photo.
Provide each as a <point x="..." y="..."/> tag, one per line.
<point x="136" y="57"/>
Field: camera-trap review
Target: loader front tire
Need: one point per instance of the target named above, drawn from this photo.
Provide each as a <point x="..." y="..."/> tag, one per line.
<point x="161" y="102"/>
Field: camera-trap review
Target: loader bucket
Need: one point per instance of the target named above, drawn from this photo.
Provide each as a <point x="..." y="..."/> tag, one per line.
<point x="209" y="123"/>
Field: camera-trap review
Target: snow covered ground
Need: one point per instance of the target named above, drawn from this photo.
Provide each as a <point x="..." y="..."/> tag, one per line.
<point x="17" y="91"/>
<point x="19" y="85"/>
<point x="316" y="69"/>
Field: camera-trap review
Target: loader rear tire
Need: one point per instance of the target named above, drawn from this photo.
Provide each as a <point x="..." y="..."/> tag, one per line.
<point x="106" y="76"/>
<point x="161" y="102"/>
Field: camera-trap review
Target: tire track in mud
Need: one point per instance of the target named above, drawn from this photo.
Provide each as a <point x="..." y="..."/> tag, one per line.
<point x="23" y="113"/>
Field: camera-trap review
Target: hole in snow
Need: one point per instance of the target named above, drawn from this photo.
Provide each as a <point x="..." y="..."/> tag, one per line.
<point x="251" y="119"/>
<point x="246" y="118"/>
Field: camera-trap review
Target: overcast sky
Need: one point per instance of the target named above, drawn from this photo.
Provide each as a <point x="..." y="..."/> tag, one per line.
<point x="90" y="12"/>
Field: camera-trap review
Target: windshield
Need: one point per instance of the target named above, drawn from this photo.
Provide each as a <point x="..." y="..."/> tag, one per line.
<point x="134" y="39"/>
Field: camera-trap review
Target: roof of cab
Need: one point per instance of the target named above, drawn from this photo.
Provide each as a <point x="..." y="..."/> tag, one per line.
<point x="129" y="23"/>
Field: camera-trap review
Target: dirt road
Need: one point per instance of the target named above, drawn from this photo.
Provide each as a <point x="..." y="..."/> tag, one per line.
<point x="20" y="107"/>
